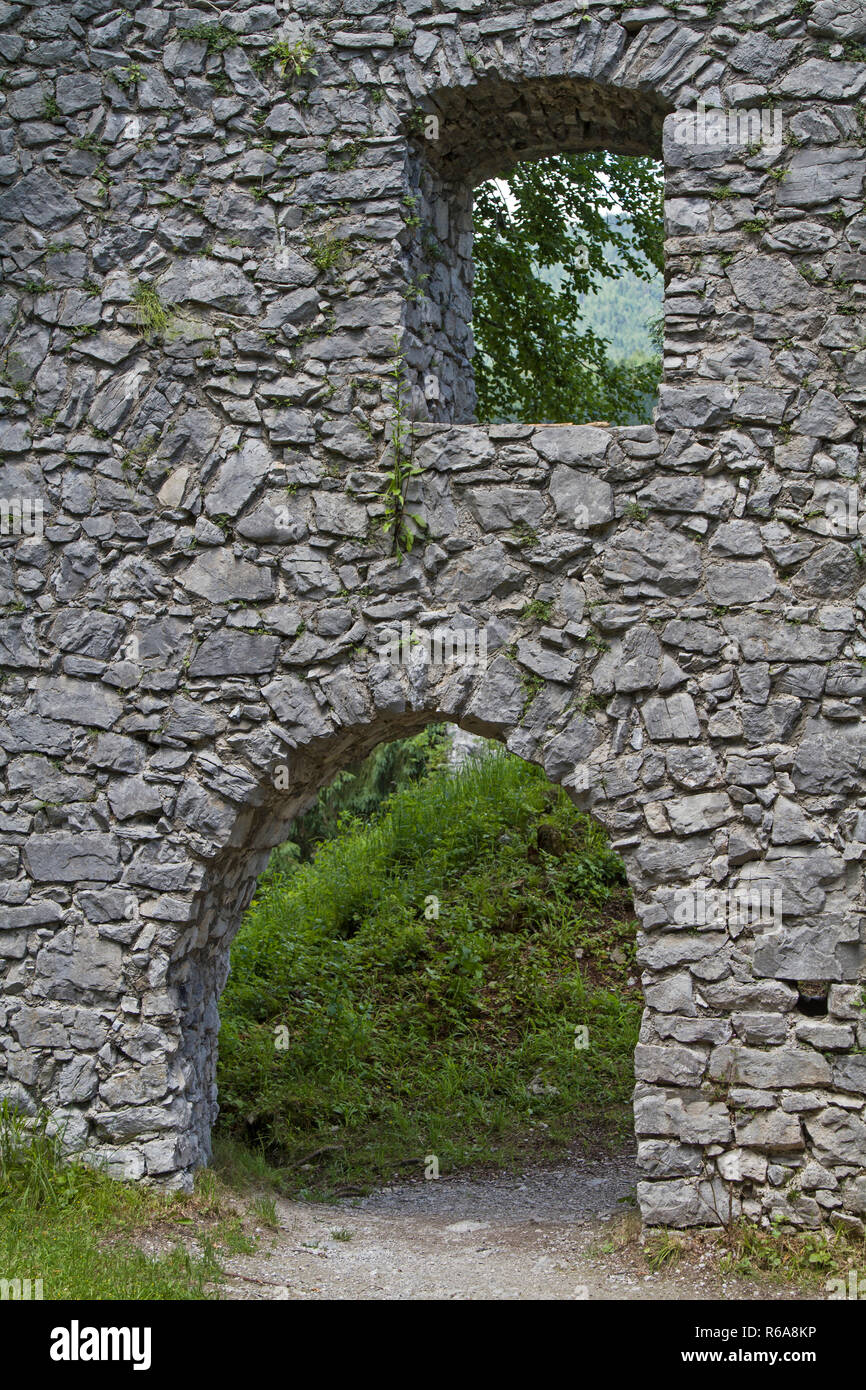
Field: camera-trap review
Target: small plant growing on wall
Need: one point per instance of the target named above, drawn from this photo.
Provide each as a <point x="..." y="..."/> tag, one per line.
<point x="216" y="36"/>
<point x="129" y="77"/>
<point x="403" y="467"/>
<point x="152" y="317"/>
<point x="294" y="60"/>
<point x="328" y="253"/>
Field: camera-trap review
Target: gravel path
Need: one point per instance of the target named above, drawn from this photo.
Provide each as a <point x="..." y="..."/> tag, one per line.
<point x="561" y="1233"/>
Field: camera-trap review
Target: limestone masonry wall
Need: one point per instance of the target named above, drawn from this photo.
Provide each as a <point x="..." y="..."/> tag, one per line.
<point x="210" y="265"/>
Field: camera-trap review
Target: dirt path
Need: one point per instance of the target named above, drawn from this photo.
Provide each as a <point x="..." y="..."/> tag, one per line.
<point x="563" y="1233"/>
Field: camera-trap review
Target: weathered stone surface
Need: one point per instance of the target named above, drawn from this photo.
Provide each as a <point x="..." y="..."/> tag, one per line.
<point x="132" y="796"/>
<point x="679" y="1066"/>
<point x="663" y="561"/>
<point x="827" y="80"/>
<point x="234" y="654"/>
<point x="761" y="282"/>
<point x="772" y="1132"/>
<point x="337" y="515"/>
<point x="746" y="1067"/>
<point x="691" y="815"/>
<point x="802" y="950"/>
<point x="40" y="200"/>
<point x="77" y="701"/>
<point x="740" y="582"/>
<point x="219" y="578"/>
<point x="838" y="1136"/>
<point x="477" y="576"/>
<point x="212" y="284"/>
<point x="671" y="718"/>
<point x="639" y="665"/>
<point x="819" y="176"/>
<point x="675" y="1203"/>
<point x="238" y="479"/>
<point x="68" y="858"/>
<point x="208" y="278"/>
<point x="498" y="508"/>
<point x="581" y="499"/>
<point x="573" y="445"/>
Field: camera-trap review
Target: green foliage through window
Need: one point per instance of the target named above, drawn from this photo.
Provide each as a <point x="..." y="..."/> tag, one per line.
<point x="563" y="226"/>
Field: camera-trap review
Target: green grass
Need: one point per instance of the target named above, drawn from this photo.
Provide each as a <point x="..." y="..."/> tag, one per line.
<point x="216" y="36"/>
<point x="430" y="970"/>
<point x="294" y="59"/>
<point x="810" y="1258"/>
<point x="431" y="963"/>
<point x="152" y="316"/>
<point x="80" y="1232"/>
<point x="327" y="253"/>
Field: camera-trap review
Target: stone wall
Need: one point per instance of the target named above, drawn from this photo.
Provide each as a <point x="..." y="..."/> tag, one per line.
<point x="194" y="637"/>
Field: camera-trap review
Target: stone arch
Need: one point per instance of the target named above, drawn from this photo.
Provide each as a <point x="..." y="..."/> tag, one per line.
<point x="242" y="835"/>
<point x="210" y="587"/>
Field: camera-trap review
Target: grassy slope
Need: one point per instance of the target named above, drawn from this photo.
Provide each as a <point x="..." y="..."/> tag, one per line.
<point x="411" y="1035"/>
<point x="80" y="1232"/>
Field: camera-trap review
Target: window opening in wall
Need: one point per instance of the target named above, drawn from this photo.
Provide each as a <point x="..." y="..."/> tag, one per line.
<point x="567" y="298"/>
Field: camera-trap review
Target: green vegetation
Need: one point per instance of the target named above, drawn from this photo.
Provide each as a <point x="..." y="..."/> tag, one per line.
<point x="625" y="312"/>
<point x="327" y="253"/>
<point x="357" y="793"/>
<point x="419" y="985"/>
<point x="216" y="36"/>
<point x="662" y="1248"/>
<point x="151" y="314"/>
<point x="346" y="157"/>
<point x="544" y="247"/>
<point x="78" y="1230"/>
<point x="129" y="77"/>
<point x="808" y="1257"/>
<point x="402" y="467"/>
<point x="294" y="59"/>
<point x="539" y="610"/>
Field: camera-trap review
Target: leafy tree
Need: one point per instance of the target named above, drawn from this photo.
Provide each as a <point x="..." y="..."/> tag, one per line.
<point x="535" y="359"/>
<point x="358" y="792"/>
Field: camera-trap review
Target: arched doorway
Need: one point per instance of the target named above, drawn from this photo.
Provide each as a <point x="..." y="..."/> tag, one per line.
<point x="437" y="966"/>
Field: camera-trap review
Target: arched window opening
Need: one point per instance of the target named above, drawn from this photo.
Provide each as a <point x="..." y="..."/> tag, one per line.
<point x="437" y="971"/>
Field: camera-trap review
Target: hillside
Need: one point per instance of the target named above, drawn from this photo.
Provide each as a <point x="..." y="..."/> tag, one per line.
<point x="415" y="988"/>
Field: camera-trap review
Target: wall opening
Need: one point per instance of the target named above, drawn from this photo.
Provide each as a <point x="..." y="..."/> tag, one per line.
<point x="524" y="200"/>
<point x="812" y="997"/>
<point x="437" y="971"/>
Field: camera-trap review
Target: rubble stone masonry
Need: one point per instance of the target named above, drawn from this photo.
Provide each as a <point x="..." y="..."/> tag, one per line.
<point x="223" y="228"/>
